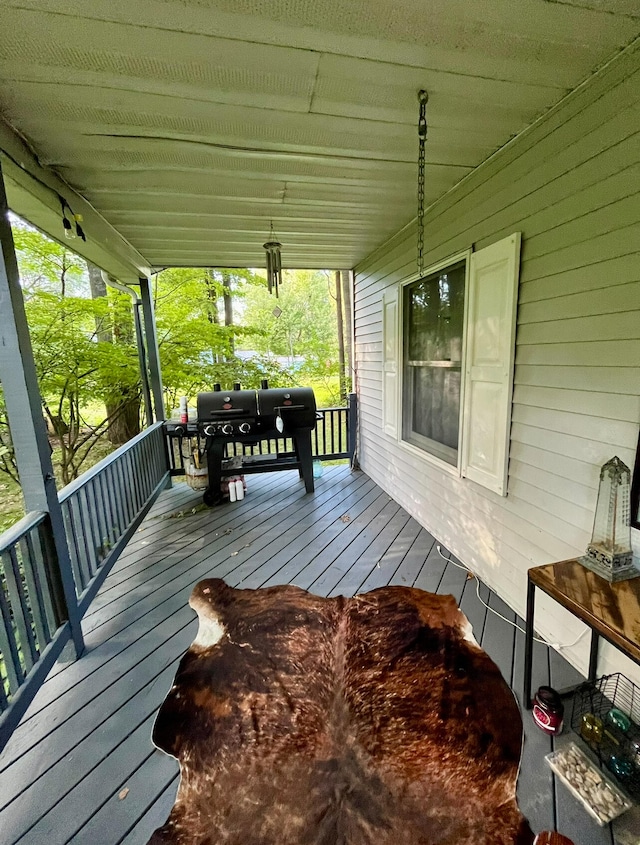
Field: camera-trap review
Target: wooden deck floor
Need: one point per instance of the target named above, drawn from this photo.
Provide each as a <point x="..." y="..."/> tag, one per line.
<point x="86" y="739"/>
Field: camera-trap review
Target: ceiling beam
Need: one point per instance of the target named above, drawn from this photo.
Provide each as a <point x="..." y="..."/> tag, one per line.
<point x="34" y="192"/>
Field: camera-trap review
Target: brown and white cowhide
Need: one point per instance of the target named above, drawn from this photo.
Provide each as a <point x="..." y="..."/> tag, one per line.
<point x="374" y="720"/>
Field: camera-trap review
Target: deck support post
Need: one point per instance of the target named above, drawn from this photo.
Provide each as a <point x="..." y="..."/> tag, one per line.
<point x="28" y="429"/>
<point x="352" y="444"/>
<point x="153" y="355"/>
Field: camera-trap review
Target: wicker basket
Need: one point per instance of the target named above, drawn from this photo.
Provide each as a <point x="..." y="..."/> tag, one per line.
<point x="616" y="747"/>
<point x="196" y="477"/>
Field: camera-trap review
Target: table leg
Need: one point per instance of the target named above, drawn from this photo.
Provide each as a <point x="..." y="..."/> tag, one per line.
<point x="528" y="643"/>
<point x="593" y="654"/>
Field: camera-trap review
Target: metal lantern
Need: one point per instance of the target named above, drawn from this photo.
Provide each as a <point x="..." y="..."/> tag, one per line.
<point x="609" y="553"/>
<point x="274" y="262"/>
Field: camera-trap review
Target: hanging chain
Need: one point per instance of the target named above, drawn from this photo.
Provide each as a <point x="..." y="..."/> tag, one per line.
<point x="422" y="137"/>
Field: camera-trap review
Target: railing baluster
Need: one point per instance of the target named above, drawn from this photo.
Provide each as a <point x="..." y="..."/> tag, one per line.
<point x="21" y="610"/>
<point x="139" y="456"/>
<point x="124" y="489"/>
<point x="146" y="449"/>
<point x="72" y="541"/>
<point x="139" y="473"/>
<point x="114" y="485"/>
<point x="36" y="594"/>
<point x="106" y="497"/>
<point x="4" y="701"/>
<point x="143" y="462"/>
<point x="80" y="531"/>
<point x="130" y="486"/>
<point x="85" y="509"/>
<point x="136" y="474"/>
<point x="8" y="645"/>
<point x="40" y="569"/>
<point x="100" y="518"/>
<point x="129" y="490"/>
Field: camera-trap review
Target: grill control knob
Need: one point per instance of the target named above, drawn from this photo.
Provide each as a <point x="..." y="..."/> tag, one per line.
<point x="227" y="428"/>
<point x="244" y="428"/>
<point x="209" y="430"/>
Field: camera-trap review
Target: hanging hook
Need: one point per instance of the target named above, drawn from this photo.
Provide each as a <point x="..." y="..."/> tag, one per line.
<point x="423" y="99"/>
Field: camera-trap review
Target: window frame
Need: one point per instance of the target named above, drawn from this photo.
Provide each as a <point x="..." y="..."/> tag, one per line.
<point x="635" y="489"/>
<point x="433" y="269"/>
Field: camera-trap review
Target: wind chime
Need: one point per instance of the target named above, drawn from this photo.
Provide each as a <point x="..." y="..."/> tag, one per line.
<point x="423" y="98"/>
<point x="274" y="262"/>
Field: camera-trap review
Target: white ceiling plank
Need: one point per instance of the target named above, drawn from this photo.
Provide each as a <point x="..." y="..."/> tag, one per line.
<point x="190" y="124"/>
<point x="73" y="102"/>
<point x="501" y="40"/>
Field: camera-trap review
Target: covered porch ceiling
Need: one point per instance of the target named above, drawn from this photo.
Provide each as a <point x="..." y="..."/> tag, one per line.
<point x="190" y="125"/>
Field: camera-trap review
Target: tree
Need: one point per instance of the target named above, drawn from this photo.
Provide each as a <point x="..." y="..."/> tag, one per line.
<point x="196" y="347"/>
<point x="8" y="464"/>
<point x="76" y="368"/>
<point x="300" y="325"/>
<point x="123" y="405"/>
<point x="74" y="372"/>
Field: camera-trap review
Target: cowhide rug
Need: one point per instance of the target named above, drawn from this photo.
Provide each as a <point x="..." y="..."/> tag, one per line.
<point x="374" y="720"/>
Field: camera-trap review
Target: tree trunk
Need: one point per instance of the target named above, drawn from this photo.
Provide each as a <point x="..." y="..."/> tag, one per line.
<point x="213" y="315"/>
<point x="212" y="296"/>
<point x="345" y="277"/>
<point x="341" y="367"/>
<point x="123" y="410"/>
<point x="124" y="414"/>
<point x="228" y="307"/>
<point x="99" y="289"/>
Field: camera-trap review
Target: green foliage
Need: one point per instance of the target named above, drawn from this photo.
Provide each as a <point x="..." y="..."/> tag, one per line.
<point x="305" y="329"/>
<point x="7" y="457"/>
<point x="74" y="368"/>
<point x="196" y="348"/>
<point x="46" y="265"/>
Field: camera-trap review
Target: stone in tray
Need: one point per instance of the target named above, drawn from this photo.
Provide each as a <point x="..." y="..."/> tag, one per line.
<point x="600" y="797"/>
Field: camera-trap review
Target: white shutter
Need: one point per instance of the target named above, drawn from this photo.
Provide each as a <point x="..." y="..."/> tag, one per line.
<point x="490" y="350"/>
<point x="390" y="396"/>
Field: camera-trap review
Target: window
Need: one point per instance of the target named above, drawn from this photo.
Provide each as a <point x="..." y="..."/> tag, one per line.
<point x="433" y="311"/>
<point x="455" y="349"/>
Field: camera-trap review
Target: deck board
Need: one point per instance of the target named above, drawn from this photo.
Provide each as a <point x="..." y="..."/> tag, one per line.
<point x="86" y="737"/>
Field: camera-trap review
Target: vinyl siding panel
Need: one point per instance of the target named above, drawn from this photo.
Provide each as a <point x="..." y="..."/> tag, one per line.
<point x="571" y="185"/>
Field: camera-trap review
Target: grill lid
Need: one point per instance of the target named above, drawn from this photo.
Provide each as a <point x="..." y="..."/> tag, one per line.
<point x="296" y="406"/>
<point x="227" y="405"/>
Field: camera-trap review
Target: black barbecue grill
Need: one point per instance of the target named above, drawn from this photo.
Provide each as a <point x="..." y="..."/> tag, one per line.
<point x="250" y="416"/>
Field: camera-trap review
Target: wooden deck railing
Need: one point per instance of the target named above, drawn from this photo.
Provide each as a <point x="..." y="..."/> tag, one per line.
<point x="103" y="507"/>
<point x="333" y="439"/>
<point x="29" y="622"/>
<point x="101" y="511"/>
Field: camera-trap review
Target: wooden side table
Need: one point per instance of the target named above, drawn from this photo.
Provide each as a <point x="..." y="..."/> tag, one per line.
<point x="612" y="611"/>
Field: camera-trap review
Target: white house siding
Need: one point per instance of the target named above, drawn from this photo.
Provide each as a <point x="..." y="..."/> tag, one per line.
<point x="571" y="185"/>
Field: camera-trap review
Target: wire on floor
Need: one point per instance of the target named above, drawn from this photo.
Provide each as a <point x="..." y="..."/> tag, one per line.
<point x="493" y="610"/>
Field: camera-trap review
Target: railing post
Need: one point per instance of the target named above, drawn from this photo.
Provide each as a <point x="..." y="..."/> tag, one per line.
<point x="28" y="429"/>
<point x="153" y="355"/>
<point x="352" y="427"/>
